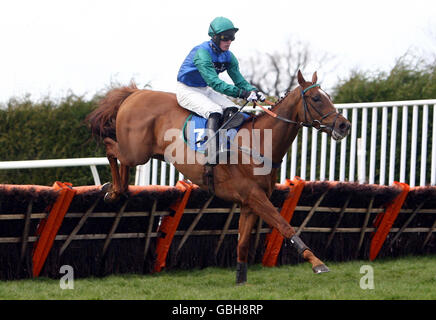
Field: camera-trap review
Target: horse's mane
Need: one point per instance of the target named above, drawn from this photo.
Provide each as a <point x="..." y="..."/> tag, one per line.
<point x="281" y="99"/>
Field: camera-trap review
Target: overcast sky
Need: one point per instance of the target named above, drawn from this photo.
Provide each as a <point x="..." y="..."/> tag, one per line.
<point x="49" y="47"/>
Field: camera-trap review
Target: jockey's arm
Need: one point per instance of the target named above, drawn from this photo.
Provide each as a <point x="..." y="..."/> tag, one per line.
<point x="237" y="77"/>
<point x="204" y="64"/>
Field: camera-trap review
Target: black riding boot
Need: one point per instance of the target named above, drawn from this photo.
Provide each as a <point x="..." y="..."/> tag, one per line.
<point x="235" y="120"/>
<point x="213" y="124"/>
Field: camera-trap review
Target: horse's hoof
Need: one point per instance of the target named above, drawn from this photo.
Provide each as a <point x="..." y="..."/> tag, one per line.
<point x="106" y="187"/>
<point x="322" y="268"/>
<point x="241" y="273"/>
<point x="110" y="197"/>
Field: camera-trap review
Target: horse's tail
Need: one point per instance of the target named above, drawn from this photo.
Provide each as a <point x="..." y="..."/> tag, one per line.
<point x="102" y="120"/>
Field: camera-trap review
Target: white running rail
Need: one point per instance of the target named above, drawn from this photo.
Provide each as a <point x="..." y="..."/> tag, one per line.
<point x="56" y="163"/>
<point x="382" y="147"/>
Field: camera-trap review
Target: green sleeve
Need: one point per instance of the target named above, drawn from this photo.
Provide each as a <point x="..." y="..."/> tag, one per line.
<point x="204" y="64"/>
<point x="237" y="77"/>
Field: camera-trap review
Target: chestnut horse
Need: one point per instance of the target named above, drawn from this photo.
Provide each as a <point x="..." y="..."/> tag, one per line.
<point x="134" y="123"/>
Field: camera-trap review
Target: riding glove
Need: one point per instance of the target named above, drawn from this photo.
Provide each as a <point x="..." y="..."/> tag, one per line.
<point x="252" y="96"/>
<point x="260" y="96"/>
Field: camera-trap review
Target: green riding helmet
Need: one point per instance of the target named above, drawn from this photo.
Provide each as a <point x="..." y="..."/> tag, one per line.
<point x="220" y="24"/>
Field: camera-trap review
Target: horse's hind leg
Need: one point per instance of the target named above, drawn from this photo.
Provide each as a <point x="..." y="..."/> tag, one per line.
<point x="116" y="188"/>
<point x="113" y="192"/>
<point x="246" y="224"/>
<point x="124" y="176"/>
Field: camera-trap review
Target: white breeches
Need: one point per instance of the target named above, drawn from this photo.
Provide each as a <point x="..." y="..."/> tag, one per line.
<point x="202" y="100"/>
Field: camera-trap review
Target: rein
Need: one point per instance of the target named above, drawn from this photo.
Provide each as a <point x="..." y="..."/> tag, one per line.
<point x="317" y="124"/>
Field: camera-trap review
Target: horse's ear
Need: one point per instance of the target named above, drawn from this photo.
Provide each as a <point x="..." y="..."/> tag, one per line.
<point x="300" y="78"/>
<point x="314" y="78"/>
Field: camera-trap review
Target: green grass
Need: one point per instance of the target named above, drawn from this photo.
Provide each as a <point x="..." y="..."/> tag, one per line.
<point x="403" y="278"/>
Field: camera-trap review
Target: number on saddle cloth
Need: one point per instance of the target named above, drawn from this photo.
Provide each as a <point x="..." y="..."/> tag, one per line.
<point x="194" y="129"/>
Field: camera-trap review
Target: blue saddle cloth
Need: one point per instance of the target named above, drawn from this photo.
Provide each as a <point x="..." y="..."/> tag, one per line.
<point x="194" y="129"/>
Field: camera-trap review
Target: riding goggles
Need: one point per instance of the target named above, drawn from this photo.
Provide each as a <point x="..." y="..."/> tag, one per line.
<point x="226" y="36"/>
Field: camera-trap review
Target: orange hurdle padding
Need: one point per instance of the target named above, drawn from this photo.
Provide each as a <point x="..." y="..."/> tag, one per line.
<point x="49" y="227"/>
<point x="385" y="221"/>
<point x="275" y="239"/>
<point x="169" y="225"/>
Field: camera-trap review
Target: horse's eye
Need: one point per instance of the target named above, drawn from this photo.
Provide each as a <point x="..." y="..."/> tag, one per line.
<point x="316" y="98"/>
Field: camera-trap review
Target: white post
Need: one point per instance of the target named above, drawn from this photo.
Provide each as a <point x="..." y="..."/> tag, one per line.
<point x="283" y="168"/>
<point x="383" y="150"/>
<point x="413" y="146"/>
<point x="303" y="154"/>
<point x="393" y="145"/>
<point x="163" y="173"/>
<point x="172" y="174"/>
<point x="146" y="174"/>
<point x="154" y="172"/>
<point x="433" y="150"/>
<point x="403" y="145"/>
<point x="137" y="175"/>
<point x="332" y="160"/>
<point x="95" y="175"/>
<point x="363" y="137"/>
<point x="372" y="155"/>
<point x="313" y="154"/>
<point x="353" y="146"/>
<point x="323" y="156"/>
<point x="343" y="153"/>
<point x="293" y="172"/>
<point x="360" y="161"/>
<point x="424" y="134"/>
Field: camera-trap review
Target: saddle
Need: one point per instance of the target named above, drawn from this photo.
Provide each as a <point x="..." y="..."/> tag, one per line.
<point x="194" y="130"/>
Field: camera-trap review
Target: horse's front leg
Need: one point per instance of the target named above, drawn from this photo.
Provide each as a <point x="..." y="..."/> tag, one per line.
<point x="259" y="204"/>
<point x="246" y="223"/>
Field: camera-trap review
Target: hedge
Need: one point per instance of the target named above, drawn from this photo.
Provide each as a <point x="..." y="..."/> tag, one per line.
<point x="48" y="130"/>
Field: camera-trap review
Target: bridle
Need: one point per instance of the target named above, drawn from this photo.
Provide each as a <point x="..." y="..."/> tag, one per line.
<point x="314" y="123"/>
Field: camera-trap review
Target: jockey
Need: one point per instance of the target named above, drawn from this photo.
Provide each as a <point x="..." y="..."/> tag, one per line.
<point x="200" y="90"/>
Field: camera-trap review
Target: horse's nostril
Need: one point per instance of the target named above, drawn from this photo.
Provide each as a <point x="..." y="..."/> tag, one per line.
<point x="344" y="126"/>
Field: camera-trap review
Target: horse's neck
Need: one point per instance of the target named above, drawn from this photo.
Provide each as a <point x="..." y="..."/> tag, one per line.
<point x="283" y="133"/>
